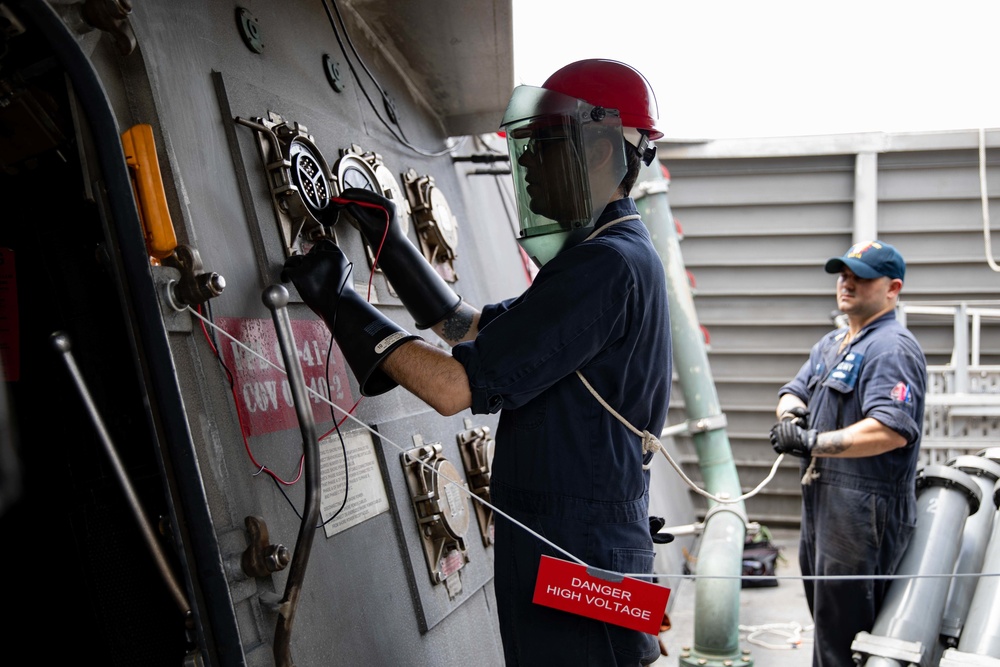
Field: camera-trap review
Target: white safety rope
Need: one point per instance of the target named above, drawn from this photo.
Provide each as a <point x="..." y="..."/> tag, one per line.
<point x="985" y="201"/>
<point x="811" y="473"/>
<point x="792" y="633"/>
<point x="602" y="228"/>
<point x="381" y="437"/>
<point x="650" y="443"/>
<point x="637" y="575"/>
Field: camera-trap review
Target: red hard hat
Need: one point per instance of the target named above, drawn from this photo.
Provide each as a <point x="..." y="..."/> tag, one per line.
<point x="613" y="85"/>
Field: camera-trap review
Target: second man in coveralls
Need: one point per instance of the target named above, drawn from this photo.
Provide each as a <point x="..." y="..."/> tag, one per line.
<point x="855" y="413"/>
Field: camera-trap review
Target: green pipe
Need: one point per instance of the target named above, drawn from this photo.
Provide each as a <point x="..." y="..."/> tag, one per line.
<point x="717" y="601"/>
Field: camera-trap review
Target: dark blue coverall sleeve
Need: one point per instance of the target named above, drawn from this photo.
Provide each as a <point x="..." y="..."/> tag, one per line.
<point x="555" y="328"/>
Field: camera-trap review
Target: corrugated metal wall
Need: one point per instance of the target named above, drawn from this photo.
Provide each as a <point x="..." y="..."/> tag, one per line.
<point x="760" y="217"/>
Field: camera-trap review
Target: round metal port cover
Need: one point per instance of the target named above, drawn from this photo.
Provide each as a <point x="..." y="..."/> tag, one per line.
<point x="354" y="172"/>
<point x="392" y="190"/>
<point x="444" y="218"/>
<point x="309" y="176"/>
<point x="454" y="507"/>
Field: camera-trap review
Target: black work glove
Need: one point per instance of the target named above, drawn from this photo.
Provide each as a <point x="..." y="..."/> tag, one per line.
<point x="799" y="415"/>
<point x="787" y="437"/>
<point x="424" y="293"/>
<point x="365" y="336"/>
<point x="655" y="524"/>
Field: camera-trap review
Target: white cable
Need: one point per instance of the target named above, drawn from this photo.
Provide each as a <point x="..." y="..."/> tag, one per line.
<point x="639" y="575"/>
<point x="985" y="200"/>
<point x="791" y="631"/>
<point x="720" y="499"/>
<point x="650" y="443"/>
<point x="824" y="577"/>
<point x="382" y="438"/>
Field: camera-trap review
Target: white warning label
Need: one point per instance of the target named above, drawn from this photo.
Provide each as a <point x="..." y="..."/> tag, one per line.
<point x="366" y="495"/>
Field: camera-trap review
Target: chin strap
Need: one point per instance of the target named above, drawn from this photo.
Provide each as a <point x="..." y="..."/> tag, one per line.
<point x="650" y="443"/>
<point x="646" y="152"/>
<point x="638" y="140"/>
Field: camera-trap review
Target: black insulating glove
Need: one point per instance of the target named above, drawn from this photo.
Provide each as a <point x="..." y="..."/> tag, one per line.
<point x="364" y="335"/>
<point x="655" y="524"/>
<point x="799" y="415"/>
<point x="787" y="437"/>
<point x="424" y="293"/>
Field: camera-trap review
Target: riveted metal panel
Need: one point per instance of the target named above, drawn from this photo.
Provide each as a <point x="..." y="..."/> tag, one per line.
<point x="448" y="70"/>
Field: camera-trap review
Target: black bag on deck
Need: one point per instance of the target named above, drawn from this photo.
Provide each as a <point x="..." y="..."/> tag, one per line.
<point x="758" y="560"/>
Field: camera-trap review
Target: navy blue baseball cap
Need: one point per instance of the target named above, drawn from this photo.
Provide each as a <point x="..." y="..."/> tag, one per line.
<point x="870" y="259"/>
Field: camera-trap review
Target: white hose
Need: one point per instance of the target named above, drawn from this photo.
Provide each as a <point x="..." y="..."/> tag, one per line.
<point x="985" y="199"/>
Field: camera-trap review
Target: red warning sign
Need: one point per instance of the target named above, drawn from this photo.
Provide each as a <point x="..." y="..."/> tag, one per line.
<point x="264" y="397"/>
<point x="624" y="601"/>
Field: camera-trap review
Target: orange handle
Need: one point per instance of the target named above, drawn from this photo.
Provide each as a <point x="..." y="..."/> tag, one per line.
<point x="140" y="156"/>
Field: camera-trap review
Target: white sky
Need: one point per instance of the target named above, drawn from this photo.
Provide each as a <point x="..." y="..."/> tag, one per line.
<point x="730" y="68"/>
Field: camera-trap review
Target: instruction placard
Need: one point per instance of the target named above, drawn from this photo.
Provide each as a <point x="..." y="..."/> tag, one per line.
<point x="366" y="496"/>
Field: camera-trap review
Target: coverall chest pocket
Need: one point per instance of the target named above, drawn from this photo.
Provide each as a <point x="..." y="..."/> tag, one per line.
<point x="844" y="376"/>
<point x="838" y="387"/>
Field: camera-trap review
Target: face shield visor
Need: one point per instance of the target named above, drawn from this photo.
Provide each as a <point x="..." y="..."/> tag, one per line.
<point x="567" y="161"/>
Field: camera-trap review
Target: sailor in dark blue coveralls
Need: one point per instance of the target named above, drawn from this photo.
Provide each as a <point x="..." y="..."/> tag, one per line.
<point x="855" y="413"/>
<point x="597" y="310"/>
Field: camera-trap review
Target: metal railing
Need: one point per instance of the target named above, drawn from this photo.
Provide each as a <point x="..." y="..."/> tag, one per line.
<point x="962" y="413"/>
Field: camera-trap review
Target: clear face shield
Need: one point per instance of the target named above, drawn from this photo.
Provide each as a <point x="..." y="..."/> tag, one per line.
<point x="567" y="160"/>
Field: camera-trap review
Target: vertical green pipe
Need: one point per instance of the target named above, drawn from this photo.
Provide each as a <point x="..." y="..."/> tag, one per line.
<point x="717" y="601"/>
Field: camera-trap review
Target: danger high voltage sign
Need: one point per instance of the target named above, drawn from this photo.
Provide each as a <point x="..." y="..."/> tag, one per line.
<point x="623" y="601"/>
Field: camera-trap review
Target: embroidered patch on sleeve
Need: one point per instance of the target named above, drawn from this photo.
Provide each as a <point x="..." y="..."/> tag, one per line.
<point x="901" y="392"/>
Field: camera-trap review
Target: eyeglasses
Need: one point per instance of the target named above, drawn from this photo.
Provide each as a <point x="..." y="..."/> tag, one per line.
<point x="538" y="144"/>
